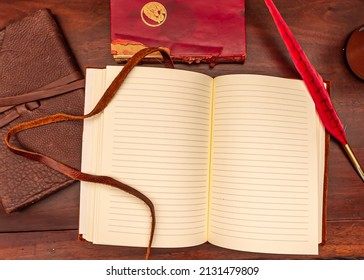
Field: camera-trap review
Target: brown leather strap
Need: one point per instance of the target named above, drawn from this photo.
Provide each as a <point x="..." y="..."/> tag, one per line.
<point x="5" y="108"/>
<point x="65" y="84"/>
<point x="41" y="94"/>
<point x="15" y="104"/>
<point x="17" y="111"/>
<point x="100" y="106"/>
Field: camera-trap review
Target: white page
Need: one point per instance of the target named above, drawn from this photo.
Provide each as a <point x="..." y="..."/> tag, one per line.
<point x="91" y="143"/>
<point x="264" y="191"/>
<point x="156" y="139"/>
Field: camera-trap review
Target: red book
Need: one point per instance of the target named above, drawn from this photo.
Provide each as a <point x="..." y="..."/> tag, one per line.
<point x="192" y="31"/>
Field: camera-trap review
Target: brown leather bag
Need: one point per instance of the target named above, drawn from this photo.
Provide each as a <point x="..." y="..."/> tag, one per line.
<point x="38" y="77"/>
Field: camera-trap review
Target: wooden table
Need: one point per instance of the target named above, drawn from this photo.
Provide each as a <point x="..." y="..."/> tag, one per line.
<point x="49" y="229"/>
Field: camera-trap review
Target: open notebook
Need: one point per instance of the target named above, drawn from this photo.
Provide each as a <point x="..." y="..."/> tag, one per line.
<point x="237" y="161"/>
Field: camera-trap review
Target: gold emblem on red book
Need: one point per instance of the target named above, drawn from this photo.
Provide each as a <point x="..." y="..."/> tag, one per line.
<point x="153" y="14"/>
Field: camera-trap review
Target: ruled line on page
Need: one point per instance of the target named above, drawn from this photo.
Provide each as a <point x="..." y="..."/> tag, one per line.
<point x="124" y="104"/>
<point x="152" y="80"/>
<point x="262" y="215"/>
<point x="281" y="89"/>
<point x="150" y="120"/>
<point x="183" y="95"/>
<point x="285" y="240"/>
<point x="236" y="116"/>
<point x="272" y="221"/>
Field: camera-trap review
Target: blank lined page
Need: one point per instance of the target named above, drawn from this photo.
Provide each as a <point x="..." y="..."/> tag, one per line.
<point x="156" y="139"/>
<point x="264" y="190"/>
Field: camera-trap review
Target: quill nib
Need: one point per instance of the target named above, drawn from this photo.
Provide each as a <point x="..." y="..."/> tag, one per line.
<point x="354" y="161"/>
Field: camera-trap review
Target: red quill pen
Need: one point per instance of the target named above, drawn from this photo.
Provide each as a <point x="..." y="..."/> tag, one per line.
<point x="315" y="86"/>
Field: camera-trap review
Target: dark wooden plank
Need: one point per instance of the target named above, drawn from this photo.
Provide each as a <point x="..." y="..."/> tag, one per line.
<point x="345" y="240"/>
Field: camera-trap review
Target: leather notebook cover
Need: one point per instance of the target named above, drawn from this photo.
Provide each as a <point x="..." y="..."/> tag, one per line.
<point x="35" y="58"/>
<point x="192" y="31"/>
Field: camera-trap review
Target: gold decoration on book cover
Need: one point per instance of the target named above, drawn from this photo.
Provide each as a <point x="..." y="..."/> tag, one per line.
<point x="153" y="14"/>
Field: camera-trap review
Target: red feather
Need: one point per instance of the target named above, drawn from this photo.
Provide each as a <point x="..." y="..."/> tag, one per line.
<point x="312" y="79"/>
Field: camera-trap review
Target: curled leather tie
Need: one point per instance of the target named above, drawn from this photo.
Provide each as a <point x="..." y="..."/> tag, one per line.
<point x="100" y="106"/>
<point x="14" y="106"/>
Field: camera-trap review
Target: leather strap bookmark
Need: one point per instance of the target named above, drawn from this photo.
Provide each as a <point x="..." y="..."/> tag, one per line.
<point x="100" y="106"/>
